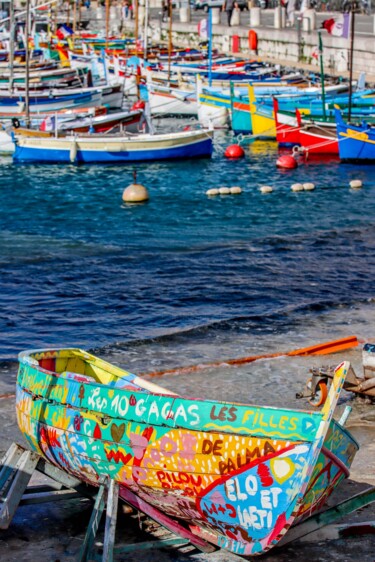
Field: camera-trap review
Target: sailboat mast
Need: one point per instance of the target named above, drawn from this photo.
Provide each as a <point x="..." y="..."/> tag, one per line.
<point x="12" y="38"/>
<point x="145" y="38"/>
<point x="210" y="47"/>
<point x="27" y="61"/>
<point x="322" y="76"/>
<point x="106" y="22"/>
<point x="351" y="65"/>
<point x="170" y="45"/>
<point x="74" y="17"/>
<point x="136" y="26"/>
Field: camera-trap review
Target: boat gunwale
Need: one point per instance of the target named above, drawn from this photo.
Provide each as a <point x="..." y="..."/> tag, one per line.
<point x="24" y="357"/>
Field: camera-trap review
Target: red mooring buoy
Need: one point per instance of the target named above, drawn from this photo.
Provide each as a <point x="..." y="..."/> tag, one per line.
<point x="286" y="161"/>
<point x="234" y="151"/>
<point x="140" y="104"/>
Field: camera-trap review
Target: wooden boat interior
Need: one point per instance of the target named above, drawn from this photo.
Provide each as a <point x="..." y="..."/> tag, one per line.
<point x="83" y="367"/>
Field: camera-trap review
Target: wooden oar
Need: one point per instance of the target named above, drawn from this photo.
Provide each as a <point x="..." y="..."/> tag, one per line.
<point x="319" y="349"/>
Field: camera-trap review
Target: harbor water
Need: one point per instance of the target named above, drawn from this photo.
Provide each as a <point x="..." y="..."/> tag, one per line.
<point x="184" y="278"/>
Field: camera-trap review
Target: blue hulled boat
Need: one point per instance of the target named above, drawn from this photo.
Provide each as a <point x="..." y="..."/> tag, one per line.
<point x="356" y="142"/>
<point x="32" y="146"/>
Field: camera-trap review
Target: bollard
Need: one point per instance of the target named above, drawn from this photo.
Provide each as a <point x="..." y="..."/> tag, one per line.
<point x="185" y="16"/>
<point x="215" y="12"/>
<point x="279" y="17"/>
<point x="254" y="17"/>
<point x="235" y="20"/>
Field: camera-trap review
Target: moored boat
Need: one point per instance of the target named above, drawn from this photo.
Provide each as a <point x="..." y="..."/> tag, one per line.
<point x="112" y="148"/>
<point x="319" y="138"/>
<point x="356" y="142"/>
<point x="236" y="475"/>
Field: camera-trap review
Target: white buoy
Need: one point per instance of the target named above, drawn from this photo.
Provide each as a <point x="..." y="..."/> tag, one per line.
<point x="235" y="190"/>
<point x="224" y="190"/>
<point x="356" y="184"/>
<point x="308" y="186"/>
<point x="211" y="192"/>
<point x="266" y="189"/>
<point x="297" y="187"/>
<point x="135" y="193"/>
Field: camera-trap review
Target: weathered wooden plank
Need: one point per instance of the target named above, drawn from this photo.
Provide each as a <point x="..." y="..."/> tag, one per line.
<point x="93" y="525"/>
<point x="110" y="521"/>
<point x="8" y="464"/>
<point x="41" y="497"/>
<point x="65" y="479"/>
<point x="330" y="515"/>
<point x="21" y="477"/>
<point x="150" y="545"/>
<point x="164" y="520"/>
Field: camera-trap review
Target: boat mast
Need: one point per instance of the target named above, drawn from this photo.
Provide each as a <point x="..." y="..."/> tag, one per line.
<point x="322" y="76"/>
<point x="145" y="38"/>
<point x="210" y="47"/>
<point x="170" y="45"/>
<point x="74" y="19"/>
<point x="107" y="8"/>
<point x="351" y="62"/>
<point x="136" y="26"/>
<point x="12" y="38"/>
<point x="27" y="61"/>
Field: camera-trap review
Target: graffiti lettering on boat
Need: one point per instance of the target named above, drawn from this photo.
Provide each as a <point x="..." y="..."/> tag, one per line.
<point x="223" y="415"/>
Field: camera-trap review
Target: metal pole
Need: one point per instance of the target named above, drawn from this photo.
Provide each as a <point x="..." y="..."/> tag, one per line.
<point x="170" y="45"/>
<point x="145" y="39"/>
<point x="210" y="47"/>
<point x="27" y="61"/>
<point x="107" y="8"/>
<point x="136" y="33"/>
<point x="11" y="46"/>
<point x="322" y="75"/>
<point x="351" y="65"/>
<point x="136" y="26"/>
<point x="75" y="17"/>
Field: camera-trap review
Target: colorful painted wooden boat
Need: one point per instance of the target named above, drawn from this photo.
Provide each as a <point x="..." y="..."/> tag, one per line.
<point x="129" y="121"/>
<point x="262" y="117"/>
<point x="235" y="475"/>
<point x="112" y="148"/>
<point x="319" y="138"/>
<point x="356" y="142"/>
<point x="287" y="126"/>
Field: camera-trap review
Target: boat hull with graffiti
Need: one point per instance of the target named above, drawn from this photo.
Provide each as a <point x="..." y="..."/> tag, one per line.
<point x="233" y="475"/>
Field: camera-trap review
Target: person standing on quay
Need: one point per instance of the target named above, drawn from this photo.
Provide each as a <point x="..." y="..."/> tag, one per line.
<point x="228" y="7"/>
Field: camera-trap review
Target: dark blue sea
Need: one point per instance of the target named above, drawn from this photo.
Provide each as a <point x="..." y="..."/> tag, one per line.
<point x="185" y="278"/>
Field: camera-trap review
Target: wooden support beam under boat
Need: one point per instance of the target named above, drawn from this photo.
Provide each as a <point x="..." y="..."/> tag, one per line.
<point x="164" y="520"/>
